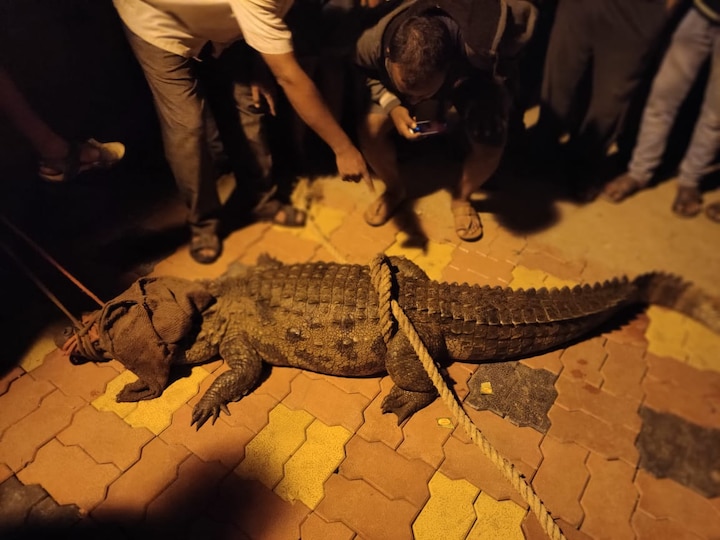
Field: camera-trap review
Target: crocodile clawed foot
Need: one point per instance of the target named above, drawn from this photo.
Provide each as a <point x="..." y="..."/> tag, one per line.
<point x="203" y="412"/>
<point x="405" y="403"/>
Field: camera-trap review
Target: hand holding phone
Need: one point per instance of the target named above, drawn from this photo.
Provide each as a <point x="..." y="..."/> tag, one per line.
<point x="424" y="128"/>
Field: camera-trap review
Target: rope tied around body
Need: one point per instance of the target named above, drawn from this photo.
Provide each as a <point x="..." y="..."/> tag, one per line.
<point x="391" y="314"/>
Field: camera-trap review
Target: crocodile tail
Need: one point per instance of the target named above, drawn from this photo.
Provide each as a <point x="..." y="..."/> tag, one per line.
<point x="673" y="292"/>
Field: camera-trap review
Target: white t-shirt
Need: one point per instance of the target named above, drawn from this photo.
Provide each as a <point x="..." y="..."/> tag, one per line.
<point x="184" y="26"/>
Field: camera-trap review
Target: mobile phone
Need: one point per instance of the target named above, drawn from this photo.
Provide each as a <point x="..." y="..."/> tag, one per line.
<point x="428" y="127"/>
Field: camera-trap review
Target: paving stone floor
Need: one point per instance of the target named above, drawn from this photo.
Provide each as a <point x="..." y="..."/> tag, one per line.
<point x="618" y="434"/>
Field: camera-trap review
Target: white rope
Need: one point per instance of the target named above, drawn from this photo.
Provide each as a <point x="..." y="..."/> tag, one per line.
<point x="382" y="281"/>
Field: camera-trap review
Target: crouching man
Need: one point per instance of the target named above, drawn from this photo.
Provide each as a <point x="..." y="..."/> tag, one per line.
<point x="458" y="53"/>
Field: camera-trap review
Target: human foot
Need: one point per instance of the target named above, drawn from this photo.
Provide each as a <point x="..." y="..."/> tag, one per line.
<point x="80" y="157"/>
<point x="205" y="245"/>
<point x="468" y="225"/>
<point x="688" y="202"/>
<point x="277" y="212"/>
<point x="382" y="209"/>
<point x="712" y="211"/>
<point x="621" y="187"/>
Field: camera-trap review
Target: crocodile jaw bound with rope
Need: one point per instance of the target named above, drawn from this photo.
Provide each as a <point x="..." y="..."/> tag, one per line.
<point x="336" y="319"/>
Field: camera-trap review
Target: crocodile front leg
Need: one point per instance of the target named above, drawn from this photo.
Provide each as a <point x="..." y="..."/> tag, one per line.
<point x="152" y="378"/>
<point x="413" y="388"/>
<point x="245" y="369"/>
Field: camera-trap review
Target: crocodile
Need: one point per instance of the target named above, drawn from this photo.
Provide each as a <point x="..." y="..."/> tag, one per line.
<point x="327" y="318"/>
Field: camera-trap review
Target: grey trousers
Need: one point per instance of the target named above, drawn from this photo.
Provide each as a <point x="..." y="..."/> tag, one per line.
<point x="190" y="135"/>
<point x="694" y="42"/>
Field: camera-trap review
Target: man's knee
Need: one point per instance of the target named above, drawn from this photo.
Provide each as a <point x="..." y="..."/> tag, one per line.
<point x="374" y="127"/>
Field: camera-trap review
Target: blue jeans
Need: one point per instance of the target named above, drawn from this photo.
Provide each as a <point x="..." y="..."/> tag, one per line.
<point x="190" y="135"/>
<point x="693" y="42"/>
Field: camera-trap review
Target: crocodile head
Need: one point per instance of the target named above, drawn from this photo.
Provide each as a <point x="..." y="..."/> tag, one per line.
<point x="81" y="343"/>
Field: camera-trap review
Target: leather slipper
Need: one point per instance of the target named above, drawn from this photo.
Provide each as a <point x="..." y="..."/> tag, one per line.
<point x="468" y="225"/>
<point x="688" y="202"/>
<point x="383" y="208"/>
<point x="70" y="166"/>
<point x="712" y="211"/>
<point x="205" y="245"/>
<point x="620" y="188"/>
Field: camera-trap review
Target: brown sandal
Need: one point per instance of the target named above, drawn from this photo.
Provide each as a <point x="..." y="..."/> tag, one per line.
<point x="271" y="209"/>
<point x="383" y="208"/>
<point x="64" y="169"/>
<point x="688" y="202"/>
<point x="712" y="211"/>
<point x="620" y="188"/>
<point x="468" y="225"/>
<point x="205" y="244"/>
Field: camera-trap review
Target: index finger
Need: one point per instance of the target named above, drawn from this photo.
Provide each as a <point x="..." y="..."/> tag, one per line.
<point x="270" y="101"/>
<point x="369" y="181"/>
<point x="255" y="94"/>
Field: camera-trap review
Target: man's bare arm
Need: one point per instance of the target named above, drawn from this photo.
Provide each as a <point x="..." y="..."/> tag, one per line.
<point x="310" y="106"/>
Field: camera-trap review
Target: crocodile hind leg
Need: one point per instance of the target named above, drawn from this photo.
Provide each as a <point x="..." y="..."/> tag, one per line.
<point x="413" y="388"/>
<point x="245" y="369"/>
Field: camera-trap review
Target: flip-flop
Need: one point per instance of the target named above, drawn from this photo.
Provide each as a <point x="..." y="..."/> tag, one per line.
<point x="468" y="225"/>
<point x="383" y="208"/>
<point x="620" y="188"/>
<point x="712" y="211"/>
<point x="70" y="166"/>
<point x="688" y="202"/>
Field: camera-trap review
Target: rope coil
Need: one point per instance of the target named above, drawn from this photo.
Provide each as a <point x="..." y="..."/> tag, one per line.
<point x="382" y="281"/>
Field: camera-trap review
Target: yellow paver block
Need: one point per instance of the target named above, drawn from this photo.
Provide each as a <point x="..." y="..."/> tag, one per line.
<point x="301" y="192"/>
<point x="449" y="512"/>
<point x="43" y="345"/>
<point x="106" y="402"/>
<point x="309" y="468"/>
<point x="526" y="278"/>
<point x="323" y="220"/>
<point x="267" y="453"/>
<point x="673" y="334"/>
<point x="433" y="259"/>
<point x="497" y="519"/>
<point x="154" y="414"/>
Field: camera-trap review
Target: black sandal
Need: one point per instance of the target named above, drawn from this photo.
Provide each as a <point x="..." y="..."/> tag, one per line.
<point x="205" y="245"/>
<point x="688" y="202"/>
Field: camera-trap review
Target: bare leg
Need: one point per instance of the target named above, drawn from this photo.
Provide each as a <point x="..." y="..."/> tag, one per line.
<point x="379" y="151"/>
<point x="13" y="104"/>
<point x="51" y="147"/>
<point x="479" y="166"/>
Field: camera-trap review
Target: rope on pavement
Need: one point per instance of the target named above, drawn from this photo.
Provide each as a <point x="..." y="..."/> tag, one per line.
<point x="382" y="281"/>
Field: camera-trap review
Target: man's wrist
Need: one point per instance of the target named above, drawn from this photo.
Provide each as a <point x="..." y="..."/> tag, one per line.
<point x="342" y="147"/>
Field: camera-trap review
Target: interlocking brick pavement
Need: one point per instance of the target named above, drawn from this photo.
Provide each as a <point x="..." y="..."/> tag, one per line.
<point x="311" y="456"/>
<point x="390" y="473"/>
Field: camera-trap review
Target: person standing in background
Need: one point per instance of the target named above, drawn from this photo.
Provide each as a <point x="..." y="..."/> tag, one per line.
<point x="168" y="39"/>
